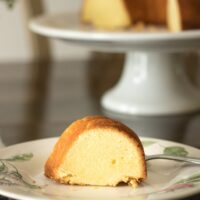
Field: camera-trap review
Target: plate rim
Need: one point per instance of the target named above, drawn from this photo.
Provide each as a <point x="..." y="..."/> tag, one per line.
<point x="178" y="195"/>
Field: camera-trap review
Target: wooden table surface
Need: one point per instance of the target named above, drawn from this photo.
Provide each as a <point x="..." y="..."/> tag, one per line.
<point x="39" y="100"/>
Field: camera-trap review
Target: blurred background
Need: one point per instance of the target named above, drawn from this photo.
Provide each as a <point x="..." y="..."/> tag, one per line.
<point x="45" y="84"/>
<point x="18" y="43"/>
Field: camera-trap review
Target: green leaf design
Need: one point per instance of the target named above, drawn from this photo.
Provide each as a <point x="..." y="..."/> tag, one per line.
<point x="2" y="167"/>
<point x="147" y="143"/>
<point x="4" y="181"/>
<point x="175" y="151"/>
<point x="9" y="174"/>
<point x="21" y="157"/>
<point x="32" y="186"/>
<point x="192" y="179"/>
<point x="16" y="174"/>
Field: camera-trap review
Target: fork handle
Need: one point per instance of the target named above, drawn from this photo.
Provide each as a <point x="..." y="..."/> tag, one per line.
<point x="176" y="158"/>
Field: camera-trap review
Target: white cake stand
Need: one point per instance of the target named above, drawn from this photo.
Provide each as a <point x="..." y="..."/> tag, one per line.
<point x="153" y="81"/>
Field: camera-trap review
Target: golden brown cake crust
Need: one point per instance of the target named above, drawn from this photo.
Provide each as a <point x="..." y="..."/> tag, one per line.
<point x="154" y="12"/>
<point x="70" y="135"/>
<point x="190" y="13"/>
<point x="147" y="11"/>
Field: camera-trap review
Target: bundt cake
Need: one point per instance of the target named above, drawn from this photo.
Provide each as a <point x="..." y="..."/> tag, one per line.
<point x="177" y="15"/>
<point x="97" y="151"/>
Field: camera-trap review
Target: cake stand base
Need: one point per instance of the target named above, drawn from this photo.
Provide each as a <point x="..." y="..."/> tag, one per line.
<point x="153" y="84"/>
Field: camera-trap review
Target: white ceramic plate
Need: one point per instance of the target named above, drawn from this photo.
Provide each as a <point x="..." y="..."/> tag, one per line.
<point x="69" y="27"/>
<point x="22" y="175"/>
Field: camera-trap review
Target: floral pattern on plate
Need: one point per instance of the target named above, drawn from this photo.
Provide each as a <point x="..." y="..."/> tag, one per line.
<point x="10" y="175"/>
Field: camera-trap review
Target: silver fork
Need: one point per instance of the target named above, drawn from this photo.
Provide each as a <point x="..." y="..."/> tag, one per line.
<point x="175" y="158"/>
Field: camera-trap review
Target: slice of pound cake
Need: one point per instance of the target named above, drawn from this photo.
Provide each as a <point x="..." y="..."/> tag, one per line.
<point x="97" y="151"/>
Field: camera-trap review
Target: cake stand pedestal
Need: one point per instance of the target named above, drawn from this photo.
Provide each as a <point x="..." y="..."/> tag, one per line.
<point x="153" y="84"/>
